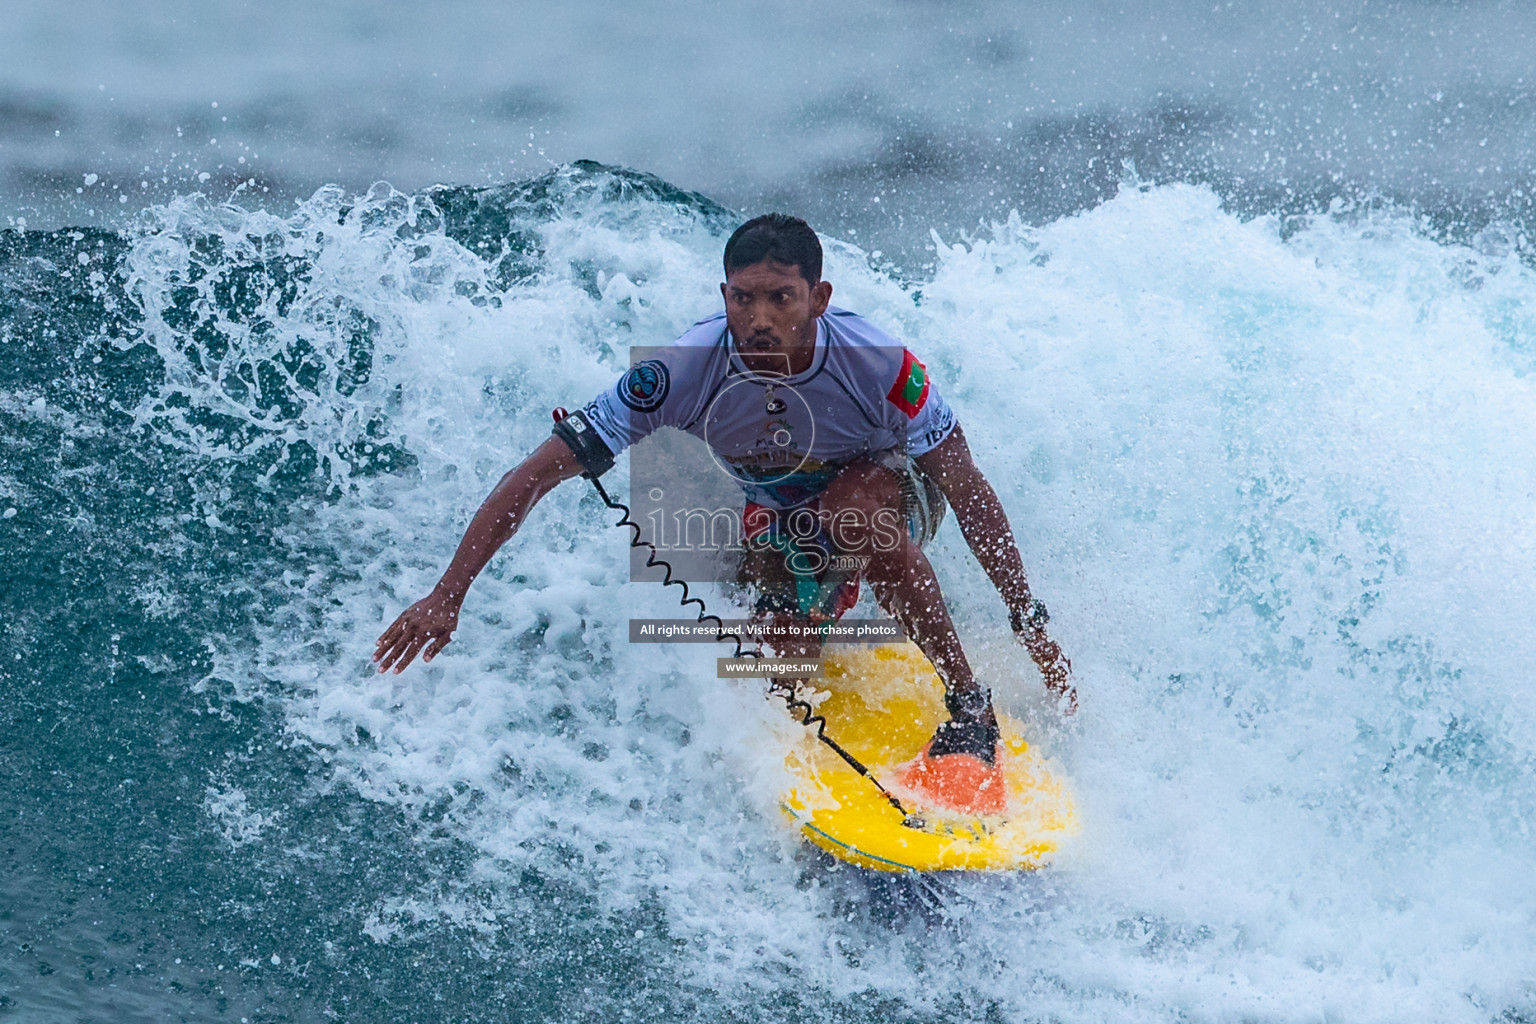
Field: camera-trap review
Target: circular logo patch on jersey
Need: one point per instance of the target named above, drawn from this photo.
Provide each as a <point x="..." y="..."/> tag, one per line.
<point x="644" y="387"/>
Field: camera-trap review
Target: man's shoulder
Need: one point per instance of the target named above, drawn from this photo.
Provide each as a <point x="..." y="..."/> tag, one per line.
<point x="694" y="349"/>
<point x="878" y="367"/>
<point x="862" y="348"/>
<point x="682" y="369"/>
<point x="708" y="331"/>
<point x="853" y="329"/>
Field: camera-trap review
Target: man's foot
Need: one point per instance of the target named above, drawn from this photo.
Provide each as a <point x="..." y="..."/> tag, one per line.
<point x="971" y="729"/>
<point x="977" y="737"/>
<point x="958" y="770"/>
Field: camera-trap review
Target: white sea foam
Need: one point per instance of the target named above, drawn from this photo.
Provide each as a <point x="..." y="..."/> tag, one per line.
<point x="1275" y="491"/>
<point x="228" y="806"/>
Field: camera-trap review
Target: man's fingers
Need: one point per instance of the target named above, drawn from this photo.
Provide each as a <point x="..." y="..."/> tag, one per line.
<point x="1057" y="674"/>
<point x="399" y="658"/>
<point x="418" y="629"/>
<point x="391" y="653"/>
<point x="408" y="653"/>
<point x="437" y="644"/>
<point x="412" y="648"/>
<point x="387" y="658"/>
<point x="388" y="637"/>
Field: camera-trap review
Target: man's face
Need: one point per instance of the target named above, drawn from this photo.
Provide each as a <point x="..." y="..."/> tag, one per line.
<point x="771" y="311"/>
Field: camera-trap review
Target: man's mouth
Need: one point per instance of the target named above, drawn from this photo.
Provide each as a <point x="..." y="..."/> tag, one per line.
<point x="763" y="341"/>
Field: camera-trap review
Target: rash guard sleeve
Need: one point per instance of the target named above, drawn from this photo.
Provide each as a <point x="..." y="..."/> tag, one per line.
<point x="919" y="410"/>
<point x="664" y="387"/>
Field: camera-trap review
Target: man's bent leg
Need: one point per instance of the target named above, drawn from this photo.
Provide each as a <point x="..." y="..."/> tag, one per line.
<point x="862" y="511"/>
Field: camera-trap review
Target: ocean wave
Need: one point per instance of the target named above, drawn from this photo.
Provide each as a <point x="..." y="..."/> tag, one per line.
<point x="1269" y="475"/>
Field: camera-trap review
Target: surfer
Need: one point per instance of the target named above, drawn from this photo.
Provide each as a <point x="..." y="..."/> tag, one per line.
<point x="847" y="454"/>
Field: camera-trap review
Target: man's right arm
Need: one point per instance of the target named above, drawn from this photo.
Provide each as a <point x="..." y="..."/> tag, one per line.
<point x="426" y="626"/>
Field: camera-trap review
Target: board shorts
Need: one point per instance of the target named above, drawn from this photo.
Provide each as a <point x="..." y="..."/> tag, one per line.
<point x="810" y="576"/>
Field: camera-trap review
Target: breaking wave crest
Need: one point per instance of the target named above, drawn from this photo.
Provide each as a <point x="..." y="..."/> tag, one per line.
<point x="1273" y="481"/>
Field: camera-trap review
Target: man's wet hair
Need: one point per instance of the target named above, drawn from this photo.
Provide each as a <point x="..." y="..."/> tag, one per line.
<point x="776" y="238"/>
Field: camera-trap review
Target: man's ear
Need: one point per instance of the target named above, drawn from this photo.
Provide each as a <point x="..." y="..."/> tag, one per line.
<point x="821" y="297"/>
<point x="722" y="292"/>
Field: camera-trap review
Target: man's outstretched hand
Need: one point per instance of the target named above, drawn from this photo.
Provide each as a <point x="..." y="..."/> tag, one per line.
<point x="1029" y="630"/>
<point x="1055" y="668"/>
<point x="424" y="628"/>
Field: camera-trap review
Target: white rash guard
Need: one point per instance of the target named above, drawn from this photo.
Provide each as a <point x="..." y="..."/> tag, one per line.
<point x="783" y="438"/>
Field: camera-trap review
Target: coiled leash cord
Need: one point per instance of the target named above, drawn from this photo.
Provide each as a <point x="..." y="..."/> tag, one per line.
<point x="575" y="430"/>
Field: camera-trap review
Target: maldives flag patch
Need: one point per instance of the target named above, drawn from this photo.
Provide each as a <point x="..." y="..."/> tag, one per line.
<point x="911" y="388"/>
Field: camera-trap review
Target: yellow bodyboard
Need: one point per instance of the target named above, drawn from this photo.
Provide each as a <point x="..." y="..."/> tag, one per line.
<point x="882" y="705"/>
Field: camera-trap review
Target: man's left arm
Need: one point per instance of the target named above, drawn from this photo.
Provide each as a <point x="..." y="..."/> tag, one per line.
<point x="985" y="526"/>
